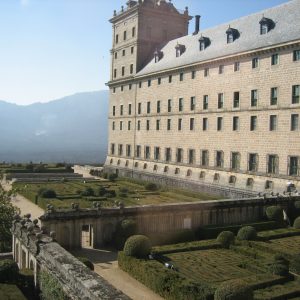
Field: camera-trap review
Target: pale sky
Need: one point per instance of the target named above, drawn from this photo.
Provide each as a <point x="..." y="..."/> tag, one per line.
<point x="53" y="48"/>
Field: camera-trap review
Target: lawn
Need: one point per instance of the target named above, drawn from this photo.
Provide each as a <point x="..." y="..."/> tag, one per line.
<point x="130" y="193"/>
<point x="10" y="292"/>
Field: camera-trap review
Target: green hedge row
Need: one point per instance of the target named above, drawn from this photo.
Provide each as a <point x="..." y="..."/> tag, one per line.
<point x="10" y="292"/>
<point x="167" y="283"/>
<point x="211" y="232"/>
<point x="172" y="237"/>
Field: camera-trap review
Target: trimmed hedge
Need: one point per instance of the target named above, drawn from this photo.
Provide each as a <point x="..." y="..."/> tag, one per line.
<point x="274" y="213"/>
<point x="295" y="264"/>
<point x="151" y="187"/>
<point x="8" y="270"/>
<point x="10" y="292"/>
<point x="247" y="233"/>
<point x="138" y="246"/>
<point x="165" y="282"/>
<point x="167" y="238"/>
<point x="226" y="238"/>
<point x="297" y="223"/>
<point x="234" y="290"/>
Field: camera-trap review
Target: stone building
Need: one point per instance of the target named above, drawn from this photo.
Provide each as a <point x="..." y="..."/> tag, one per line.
<point x="219" y="107"/>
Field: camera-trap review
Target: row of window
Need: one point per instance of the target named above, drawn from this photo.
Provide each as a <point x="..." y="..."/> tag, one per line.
<point x="236" y="99"/>
<point x="272" y="160"/>
<point x="273" y="124"/>
<point x="236" y="67"/>
<point x="133" y="32"/>
<point x="124" y="52"/>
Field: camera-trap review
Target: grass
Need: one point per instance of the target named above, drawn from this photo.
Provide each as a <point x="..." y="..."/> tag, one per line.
<point x="136" y="193"/>
<point x="10" y="292"/>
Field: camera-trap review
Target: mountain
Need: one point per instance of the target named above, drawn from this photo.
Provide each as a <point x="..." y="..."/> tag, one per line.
<point x="72" y="129"/>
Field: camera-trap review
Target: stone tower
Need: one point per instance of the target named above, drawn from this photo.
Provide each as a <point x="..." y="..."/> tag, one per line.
<point x="138" y="30"/>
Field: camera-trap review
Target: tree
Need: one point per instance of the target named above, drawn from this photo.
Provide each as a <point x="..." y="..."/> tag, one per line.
<point x="7" y="213"/>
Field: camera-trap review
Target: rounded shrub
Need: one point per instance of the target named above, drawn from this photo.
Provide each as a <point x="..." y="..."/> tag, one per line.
<point x="112" y="177"/>
<point x="8" y="270"/>
<point x="102" y="191"/>
<point x="151" y="186"/>
<point x="88" y="192"/>
<point x="86" y="262"/>
<point x="247" y="233"/>
<point x="297" y="223"/>
<point x="274" y="213"/>
<point x="233" y="290"/>
<point x="49" y="194"/>
<point x="226" y="238"/>
<point x="138" y="246"/>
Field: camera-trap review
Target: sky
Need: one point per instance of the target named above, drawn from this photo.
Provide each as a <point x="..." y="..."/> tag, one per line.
<point x="53" y="48"/>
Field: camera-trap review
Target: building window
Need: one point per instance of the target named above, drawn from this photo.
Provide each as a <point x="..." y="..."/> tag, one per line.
<point x="179" y="124"/>
<point x="220" y="100"/>
<point x="295" y="94"/>
<point x="124" y="35"/>
<point x="177" y="171"/>
<point x="204" y="158"/>
<point x="206" y="72"/>
<point x="269" y="185"/>
<point x="179" y="155"/>
<point x="169" y="124"/>
<point x="204" y="124"/>
<point x="273" y="122"/>
<point x="114" y="90"/>
<point x="113" y="126"/>
<point x="132" y="50"/>
<point x="121" y="125"/>
<point x="293" y="165"/>
<point x="189" y="173"/>
<point x="191" y="156"/>
<point x="122" y="88"/>
<point x="117" y="38"/>
<point x="236" y="99"/>
<point x="180" y="104"/>
<point x="253" y="123"/>
<point x="254" y="98"/>
<point x="272" y="164"/>
<point x="216" y="177"/>
<point x="294" y="122"/>
<point x="112" y="149"/>
<point x="157" y="124"/>
<point x="121" y="110"/>
<point x="139" y="108"/>
<point x="130" y="86"/>
<point x="235" y="160"/>
<point x="147" y="152"/>
<point x="123" y="71"/>
<point x="155" y="168"/>
<point x="159" y="81"/>
<point x="264" y="28"/>
<point x="136" y="164"/>
<point x="129" y="125"/>
<point x="205" y="102"/>
<point x="273" y="96"/>
<point x="252" y="162"/>
<point x="156" y="153"/>
<point x="170" y="78"/>
<point x="166" y="169"/>
<point x="140" y="84"/>
<point x="181" y="76"/>
<point x="139" y="125"/>
<point x="193" y="74"/>
<point x="202" y="175"/>
<point x="148" y="107"/>
<point x="219" y="159"/>
<point x="230" y="38"/>
<point x="249" y="182"/>
<point x="236" y="66"/>
<point x="235" y="123"/>
<point x="131" y="69"/>
<point x="158" y="106"/>
<point x="219" y="123"/>
<point x="129" y="109"/>
<point x="232" y="180"/>
<point x="124" y="52"/>
<point x="149" y="82"/>
<point x="115" y="73"/>
<point x="296" y="55"/>
<point x="116" y="55"/>
<point x="114" y="110"/>
<point x="128" y="150"/>
<point x="145" y="166"/>
<point x="169" y="105"/>
<point x="133" y="32"/>
<point x="138" y="151"/>
<point x="148" y="125"/>
<point x="168" y="154"/>
<point x="221" y="69"/>
<point x="193" y="103"/>
<point x="192" y="123"/>
<point x="254" y="62"/>
<point x="120" y="149"/>
<point x="274" y="59"/>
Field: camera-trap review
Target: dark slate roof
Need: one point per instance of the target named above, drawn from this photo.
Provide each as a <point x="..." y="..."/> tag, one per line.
<point x="286" y="18"/>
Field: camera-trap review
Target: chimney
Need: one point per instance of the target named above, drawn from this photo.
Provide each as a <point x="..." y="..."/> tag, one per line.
<point x="197" y="24"/>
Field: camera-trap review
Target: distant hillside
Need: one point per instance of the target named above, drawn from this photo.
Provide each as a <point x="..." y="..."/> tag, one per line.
<point x="71" y="129"/>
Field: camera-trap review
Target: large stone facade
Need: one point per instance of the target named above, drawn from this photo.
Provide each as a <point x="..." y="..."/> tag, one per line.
<point x="252" y="95"/>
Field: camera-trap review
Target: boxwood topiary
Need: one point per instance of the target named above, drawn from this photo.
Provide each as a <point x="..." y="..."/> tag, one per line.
<point x="297" y="223"/>
<point x="226" y="238"/>
<point x="247" y="233"/>
<point x="8" y="270"/>
<point x="138" y="246"/>
<point x="274" y="213"/>
<point x="234" y="290"/>
<point x="49" y="194"/>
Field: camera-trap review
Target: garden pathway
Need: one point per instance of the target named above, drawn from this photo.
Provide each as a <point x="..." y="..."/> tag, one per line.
<point x="106" y="265"/>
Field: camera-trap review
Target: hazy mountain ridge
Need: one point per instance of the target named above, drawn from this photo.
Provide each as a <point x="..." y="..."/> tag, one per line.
<point x="72" y="129"/>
